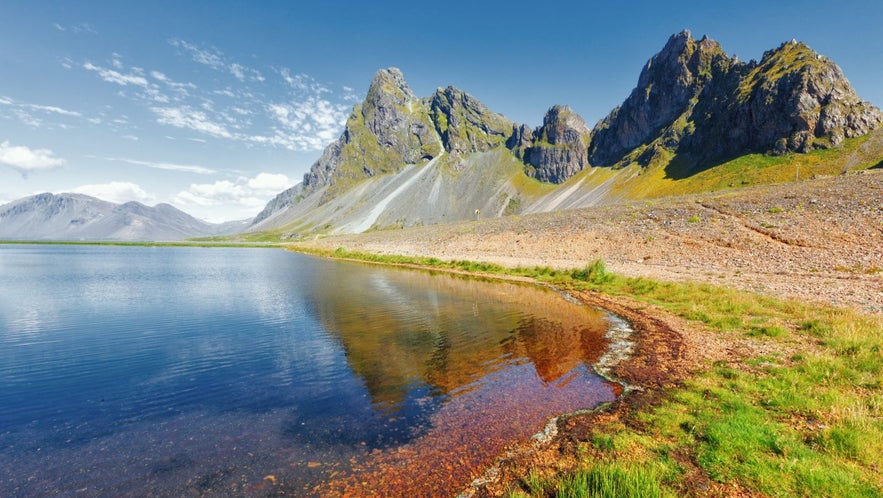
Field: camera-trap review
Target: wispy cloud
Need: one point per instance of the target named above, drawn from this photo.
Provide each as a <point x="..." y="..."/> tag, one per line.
<point x="309" y="124"/>
<point x="25" y="160"/>
<point x="187" y="117"/>
<point x="114" y="76"/>
<point x="77" y="29"/>
<point x="186" y="168"/>
<point x="25" y="111"/>
<point x="178" y="87"/>
<point x="215" y="59"/>
<point x="303" y="82"/>
<point x="301" y="113"/>
<point x="117" y="192"/>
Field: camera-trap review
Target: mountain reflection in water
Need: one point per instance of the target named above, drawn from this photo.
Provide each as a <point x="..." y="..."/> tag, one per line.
<point x="401" y="328"/>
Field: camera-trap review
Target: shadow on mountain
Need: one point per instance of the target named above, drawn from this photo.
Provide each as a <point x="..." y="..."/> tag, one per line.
<point x="684" y="166"/>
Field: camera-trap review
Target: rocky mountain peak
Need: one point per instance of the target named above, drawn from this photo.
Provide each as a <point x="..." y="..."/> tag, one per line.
<point x="464" y="124"/>
<point x="556" y="150"/>
<point x="667" y="88"/>
<point x="388" y="104"/>
<point x="693" y="98"/>
<point x="561" y="125"/>
<point x="793" y="100"/>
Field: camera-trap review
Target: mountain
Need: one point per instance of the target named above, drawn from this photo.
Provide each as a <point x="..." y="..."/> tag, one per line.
<point x="694" y="121"/>
<point x="80" y="217"/>
<point x="693" y="99"/>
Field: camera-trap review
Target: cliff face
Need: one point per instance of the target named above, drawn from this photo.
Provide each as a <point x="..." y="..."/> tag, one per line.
<point x="667" y="87"/>
<point x="559" y="148"/>
<point x="693" y="98"/>
<point x="464" y="124"/>
<point x="793" y="100"/>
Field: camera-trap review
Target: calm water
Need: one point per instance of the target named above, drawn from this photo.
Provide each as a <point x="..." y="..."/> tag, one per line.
<point x="141" y="371"/>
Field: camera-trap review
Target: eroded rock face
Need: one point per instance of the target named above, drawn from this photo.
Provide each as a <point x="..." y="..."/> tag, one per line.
<point x="464" y="124"/>
<point x="668" y="84"/>
<point x="691" y="97"/>
<point x="389" y="112"/>
<point x="559" y="148"/>
<point x="793" y="100"/>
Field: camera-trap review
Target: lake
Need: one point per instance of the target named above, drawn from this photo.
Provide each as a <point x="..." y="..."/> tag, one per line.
<point x="177" y="371"/>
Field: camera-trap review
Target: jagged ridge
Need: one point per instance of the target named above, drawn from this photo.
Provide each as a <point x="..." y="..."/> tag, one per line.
<point x="692" y="101"/>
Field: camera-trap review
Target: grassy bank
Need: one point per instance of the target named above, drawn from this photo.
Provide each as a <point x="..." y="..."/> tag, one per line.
<point x="804" y="418"/>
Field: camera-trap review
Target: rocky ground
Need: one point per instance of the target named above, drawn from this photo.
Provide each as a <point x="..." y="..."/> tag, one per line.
<point x="818" y="240"/>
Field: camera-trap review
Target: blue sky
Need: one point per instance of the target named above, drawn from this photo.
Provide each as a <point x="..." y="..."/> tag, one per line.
<point x="216" y="106"/>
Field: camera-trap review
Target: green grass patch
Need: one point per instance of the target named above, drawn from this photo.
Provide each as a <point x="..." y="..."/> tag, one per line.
<point x="600" y="480"/>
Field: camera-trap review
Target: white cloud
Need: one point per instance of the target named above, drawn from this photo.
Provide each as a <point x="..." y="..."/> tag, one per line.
<point x="308" y="125"/>
<point x="187" y="117"/>
<point x="117" y="192"/>
<point x="116" y="60"/>
<point x="177" y="86"/>
<point x="112" y="76"/>
<point x="308" y="117"/>
<point x="186" y="168"/>
<point x="238" y="71"/>
<point x="349" y="95"/>
<point x="24" y="159"/>
<point x="303" y="82"/>
<point x="269" y="181"/>
<point x="251" y="193"/>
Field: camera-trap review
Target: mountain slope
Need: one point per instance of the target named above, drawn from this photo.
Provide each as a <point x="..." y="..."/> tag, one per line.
<point x="80" y="217"/>
<point x="694" y="113"/>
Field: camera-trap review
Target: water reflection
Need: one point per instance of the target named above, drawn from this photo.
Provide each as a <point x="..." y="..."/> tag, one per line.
<point x="404" y="328"/>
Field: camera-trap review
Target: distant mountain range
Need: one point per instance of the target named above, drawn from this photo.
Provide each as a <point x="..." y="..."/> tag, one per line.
<point x="80" y="217"/>
<point x="404" y="160"/>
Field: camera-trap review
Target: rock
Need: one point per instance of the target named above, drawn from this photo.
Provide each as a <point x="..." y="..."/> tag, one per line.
<point x="521" y="138"/>
<point x="388" y="112"/>
<point x="667" y="86"/>
<point x="559" y="148"/>
<point x="465" y="124"/>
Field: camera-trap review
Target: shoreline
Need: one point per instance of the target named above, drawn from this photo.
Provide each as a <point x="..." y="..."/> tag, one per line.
<point x="658" y="357"/>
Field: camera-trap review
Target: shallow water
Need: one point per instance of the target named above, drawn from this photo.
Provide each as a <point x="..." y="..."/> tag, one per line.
<point x="137" y="371"/>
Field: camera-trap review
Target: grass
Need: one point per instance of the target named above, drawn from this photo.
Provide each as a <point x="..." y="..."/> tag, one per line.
<point x="805" y="418"/>
<point x="670" y="175"/>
